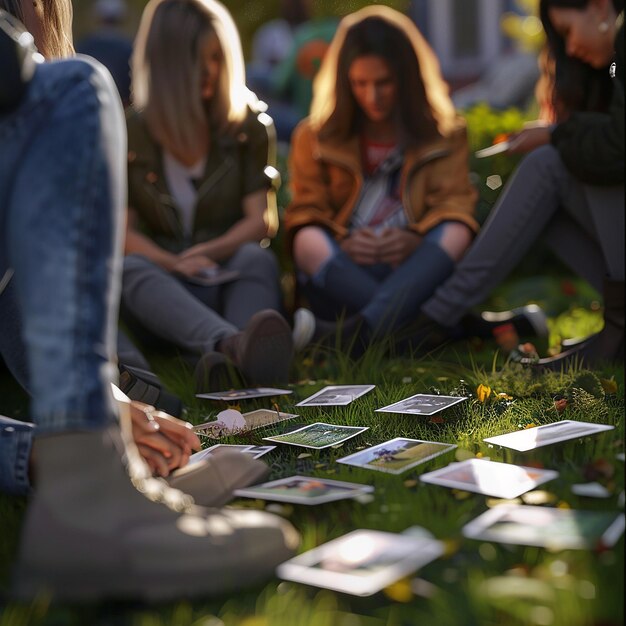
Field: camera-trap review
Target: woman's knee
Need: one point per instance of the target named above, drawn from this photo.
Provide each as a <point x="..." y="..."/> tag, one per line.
<point x="454" y="238"/>
<point x="311" y="248"/>
<point x="136" y="266"/>
<point x="251" y="258"/>
<point x="543" y="159"/>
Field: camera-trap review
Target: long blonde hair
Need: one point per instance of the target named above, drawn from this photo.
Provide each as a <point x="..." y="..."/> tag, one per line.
<point x="425" y="107"/>
<point x="166" y="73"/>
<point x="55" y="33"/>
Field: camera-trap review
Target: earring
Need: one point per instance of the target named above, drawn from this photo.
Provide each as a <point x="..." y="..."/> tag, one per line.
<point x="603" y="27"/>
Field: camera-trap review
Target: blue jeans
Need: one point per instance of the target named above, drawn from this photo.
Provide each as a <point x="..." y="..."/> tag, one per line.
<point x="387" y="298"/>
<point x="62" y="192"/>
<point x="16" y="440"/>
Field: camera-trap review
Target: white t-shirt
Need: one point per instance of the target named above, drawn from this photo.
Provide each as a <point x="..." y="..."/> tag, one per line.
<point x="179" y="180"/>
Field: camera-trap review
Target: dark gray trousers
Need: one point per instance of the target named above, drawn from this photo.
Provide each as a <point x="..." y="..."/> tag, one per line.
<point x="584" y="226"/>
<point x="195" y="318"/>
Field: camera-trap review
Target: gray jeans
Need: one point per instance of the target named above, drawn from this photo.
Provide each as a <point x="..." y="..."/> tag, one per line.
<point x="584" y="226"/>
<point x="195" y="318"/>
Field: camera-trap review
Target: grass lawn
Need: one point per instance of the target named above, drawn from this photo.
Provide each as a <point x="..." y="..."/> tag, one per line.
<point x="475" y="582"/>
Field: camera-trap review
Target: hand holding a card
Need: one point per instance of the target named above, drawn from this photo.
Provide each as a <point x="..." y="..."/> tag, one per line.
<point x="533" y="135"/>
<point x="192" y="265"/>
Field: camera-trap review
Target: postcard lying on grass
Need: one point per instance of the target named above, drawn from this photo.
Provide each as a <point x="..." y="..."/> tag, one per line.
<point x="556" y="529"/>
<point x="319" y="435"/>
<point x="230" y="421"/>
<point x="244" y="394"/>
<point x="336" y="395"/>
<point x="216" y="450"/>
<point x="422" y="404"/>
<point x="500" y="480"/>
<point x="304" y="490"/>
<point x="397" y="455"/>
<point x="531" y="438"/>
<point x="361" y="562"/>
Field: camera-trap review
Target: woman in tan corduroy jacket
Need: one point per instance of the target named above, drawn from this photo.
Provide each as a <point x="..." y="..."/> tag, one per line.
<point x="382" y="206"/>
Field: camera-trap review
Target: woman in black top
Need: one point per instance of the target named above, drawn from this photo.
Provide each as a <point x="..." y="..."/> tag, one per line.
<point x="570" y="188"/>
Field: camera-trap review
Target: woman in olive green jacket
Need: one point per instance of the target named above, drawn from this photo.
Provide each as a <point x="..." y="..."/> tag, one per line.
<point x="201" y="196"/>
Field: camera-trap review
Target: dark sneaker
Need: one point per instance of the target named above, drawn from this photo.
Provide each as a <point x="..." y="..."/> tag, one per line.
<point x="263" y="351"/>
<point x="215" y="372"/>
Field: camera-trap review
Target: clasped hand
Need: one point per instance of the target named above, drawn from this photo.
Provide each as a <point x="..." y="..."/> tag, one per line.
<point x="391" y="246"/>
<point x="164" y="442"/>
<point x="191" y="262"/>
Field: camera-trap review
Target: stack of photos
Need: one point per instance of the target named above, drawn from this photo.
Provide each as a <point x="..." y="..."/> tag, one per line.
<point x="499" y="480"/>
<point x="319" y="435"/>
<point x="531" y="438"/>
<point x="397" y="455"/>
<point x="422" y="404"/>
<point x="336" y="395"/>
<point x="555" y="529"/>
<point x="304" y="490"/>
<point x="362" y="562"/>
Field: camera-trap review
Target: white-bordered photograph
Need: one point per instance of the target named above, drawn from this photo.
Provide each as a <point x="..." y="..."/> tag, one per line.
<point x="422" y="404"/>
<point x="215" y="450"/>
<point x="336" y="395"/>
<point x="397" y="455"/>
<point x="490" y="478"/>
<point x="258" y="451"/>
<point x="531" y="438"/>
<point x="230" y="422"/>
<point x="304" y="490"/>
<point x="244" y="394"/>
<point x="362" y="562"/>
<point x="546" y="527"/>
<point x="319" y="435"/>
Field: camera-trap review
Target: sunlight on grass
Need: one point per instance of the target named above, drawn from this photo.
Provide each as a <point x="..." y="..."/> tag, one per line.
<point x="474" y="583"/>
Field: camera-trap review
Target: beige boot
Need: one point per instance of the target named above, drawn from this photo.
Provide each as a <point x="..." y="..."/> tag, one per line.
<point x="90" y="534"/>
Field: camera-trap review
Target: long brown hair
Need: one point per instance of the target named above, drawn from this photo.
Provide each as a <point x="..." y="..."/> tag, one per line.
<point x="424" y="112"/>
<point x="572" y="85"/>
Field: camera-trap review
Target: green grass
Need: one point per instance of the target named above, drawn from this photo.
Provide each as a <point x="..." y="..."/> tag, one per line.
<point x="475" y="583"/>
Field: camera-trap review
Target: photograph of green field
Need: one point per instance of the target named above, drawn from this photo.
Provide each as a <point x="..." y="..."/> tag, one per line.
<point x="318" y="435"/>
<point x="397" y="455"/>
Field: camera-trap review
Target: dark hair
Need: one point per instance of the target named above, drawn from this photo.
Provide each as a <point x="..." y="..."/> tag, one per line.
<point x="378" y="37"/>
<point x="575" y="86"/>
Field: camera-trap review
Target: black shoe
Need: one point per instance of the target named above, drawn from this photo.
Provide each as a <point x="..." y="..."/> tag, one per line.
<point x="145" y="386"/>
<point x="215" y="372"/>
<point x="528" y="321"/>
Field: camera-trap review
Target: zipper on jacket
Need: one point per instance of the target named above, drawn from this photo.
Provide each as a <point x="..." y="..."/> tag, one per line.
<point x="171" y="218"/>
<point x="427" y="158"/>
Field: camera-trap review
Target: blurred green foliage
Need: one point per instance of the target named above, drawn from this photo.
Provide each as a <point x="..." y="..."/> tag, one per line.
<point x="484" y="125"/>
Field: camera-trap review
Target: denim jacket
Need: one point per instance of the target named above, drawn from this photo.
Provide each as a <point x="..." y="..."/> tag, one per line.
<point x="236" y="166"/>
